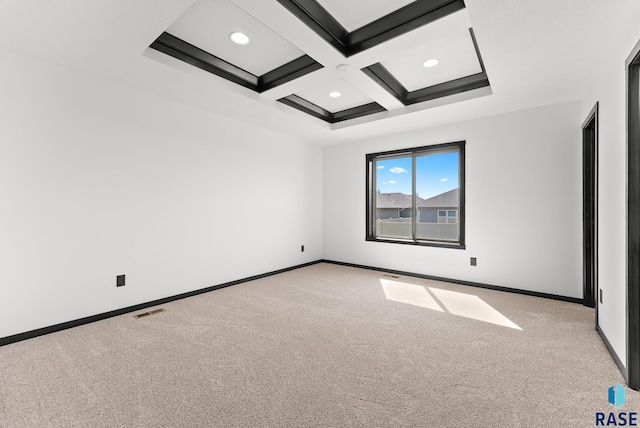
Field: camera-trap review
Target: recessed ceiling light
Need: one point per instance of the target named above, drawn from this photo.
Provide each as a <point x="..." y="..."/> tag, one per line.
<point x="239" y="38"/>
<point x="334" y="94"/>
<point x="431" y="63"/>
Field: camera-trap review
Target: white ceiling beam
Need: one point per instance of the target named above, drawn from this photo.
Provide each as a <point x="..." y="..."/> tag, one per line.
<point x="374" y="91"/>
<point x="307" y="81"/>
<point x="279" y="19"/>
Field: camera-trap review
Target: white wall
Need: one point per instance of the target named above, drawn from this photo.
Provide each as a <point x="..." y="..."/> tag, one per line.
<point x="523" y="202"/>
<point x="98" y="180"/>
<point x="610" y="91"/>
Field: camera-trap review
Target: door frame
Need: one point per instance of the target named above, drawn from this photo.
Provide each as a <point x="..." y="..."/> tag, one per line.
<point x="632" y="66"/>
<point x="590" y="209"/>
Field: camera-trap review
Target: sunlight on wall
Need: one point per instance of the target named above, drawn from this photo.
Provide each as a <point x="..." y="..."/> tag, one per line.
<point x="453" y="302"/>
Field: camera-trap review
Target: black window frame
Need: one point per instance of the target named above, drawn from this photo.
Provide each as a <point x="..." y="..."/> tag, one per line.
<point x="371" y="194"/>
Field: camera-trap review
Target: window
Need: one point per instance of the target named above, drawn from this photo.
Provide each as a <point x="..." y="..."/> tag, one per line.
<point x="445" y="216"/>
<point x="416" y="196"/>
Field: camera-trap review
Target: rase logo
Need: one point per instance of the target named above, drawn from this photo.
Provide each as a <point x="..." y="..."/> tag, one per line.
<point x="615" y="397"/>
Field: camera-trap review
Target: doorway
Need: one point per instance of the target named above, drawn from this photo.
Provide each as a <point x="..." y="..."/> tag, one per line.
<point x="590" y="209"/>
<point x="633" y="220"/>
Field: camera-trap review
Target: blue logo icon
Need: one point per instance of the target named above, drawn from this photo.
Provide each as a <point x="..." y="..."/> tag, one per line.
<point x="616" y="419"/>
<point x="616" y="395"/>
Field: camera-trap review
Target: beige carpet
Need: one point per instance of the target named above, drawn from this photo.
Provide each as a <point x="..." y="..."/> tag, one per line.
<point x="321" y="346"/>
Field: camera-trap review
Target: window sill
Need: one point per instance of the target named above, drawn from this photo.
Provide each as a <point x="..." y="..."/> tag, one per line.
<point x="437" y="244"/>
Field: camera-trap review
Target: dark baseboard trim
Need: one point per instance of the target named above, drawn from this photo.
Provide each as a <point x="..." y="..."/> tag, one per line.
<point x="613" y="354"/>
<point x="461" y="282"/>
<point x="99" y="317"/>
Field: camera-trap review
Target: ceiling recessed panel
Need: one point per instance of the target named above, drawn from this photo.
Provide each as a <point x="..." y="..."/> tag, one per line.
<point x="354" y="14"/>
<point x="208" y="25"/>
<point x="241" y="42"/>
<point x="456" y="57"/>
<point x="349" y="96"/>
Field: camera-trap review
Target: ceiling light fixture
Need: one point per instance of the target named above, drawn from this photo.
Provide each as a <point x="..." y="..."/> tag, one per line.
<point x="334" y="94"/>
<point x="239" y="38"/>
<point x="431" y="63"/>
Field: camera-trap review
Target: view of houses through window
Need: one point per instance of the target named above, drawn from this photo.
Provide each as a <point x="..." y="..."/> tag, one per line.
<point x="415" y="194"/>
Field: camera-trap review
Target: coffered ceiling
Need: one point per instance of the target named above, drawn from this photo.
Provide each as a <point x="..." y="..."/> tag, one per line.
<point x="208" y="24"/>
<point x="269" y="58"/>
<point x="494" y="56"/>
<point x="358" y="13"/>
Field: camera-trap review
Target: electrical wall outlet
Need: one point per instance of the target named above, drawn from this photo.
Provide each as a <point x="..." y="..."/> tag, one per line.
<point x="474" y="261"/>
<point x="120" y="281"/>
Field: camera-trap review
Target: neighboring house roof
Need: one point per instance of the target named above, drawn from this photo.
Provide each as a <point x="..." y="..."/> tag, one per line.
<point x="444" y="200"/>
<point x="393" y="200"/>
<point x="400" y="200"/>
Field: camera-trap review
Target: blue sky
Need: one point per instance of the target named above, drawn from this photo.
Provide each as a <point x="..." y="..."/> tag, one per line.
<point x="436" y="174"/>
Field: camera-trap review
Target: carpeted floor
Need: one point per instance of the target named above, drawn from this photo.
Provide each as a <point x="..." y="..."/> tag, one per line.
<point x="320" y="346"/>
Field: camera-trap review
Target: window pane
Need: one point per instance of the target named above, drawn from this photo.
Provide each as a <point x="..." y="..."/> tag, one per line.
<point x="452" y="216"/>
<point x="437" y="189"/>
<point x="394" y="197"/>
<point x="416" y="195"/>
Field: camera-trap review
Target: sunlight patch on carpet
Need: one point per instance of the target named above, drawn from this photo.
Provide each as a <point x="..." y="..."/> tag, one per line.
<point x="410" y="294"/>
<point x="453" y="302"/>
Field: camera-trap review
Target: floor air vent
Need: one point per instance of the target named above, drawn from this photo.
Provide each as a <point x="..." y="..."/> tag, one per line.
<point x="146" y="314"/>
